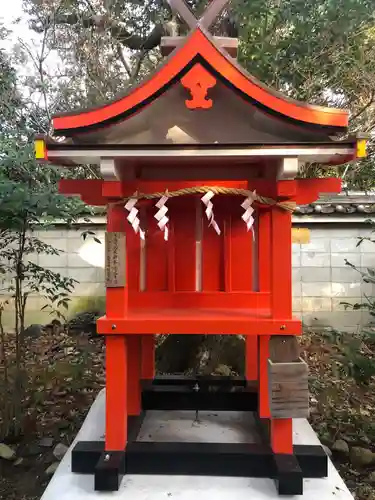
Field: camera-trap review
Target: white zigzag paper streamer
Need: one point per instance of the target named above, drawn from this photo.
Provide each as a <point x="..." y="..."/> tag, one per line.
<point x="133" y="218"/>
<point x="206" y="199"/>
<point x="161" y="215"/>
<point x="247" y="216"/>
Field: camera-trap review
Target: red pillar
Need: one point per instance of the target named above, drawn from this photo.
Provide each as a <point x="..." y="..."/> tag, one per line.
<point x="281" y="433"/>
<point x="116" y="393"/>
<point x="116" y="354"/>
<point x="264" y="407"/>
<point x="134" y="374"/>
<point x="263" y="256"/>
<point x="281" y="264"/>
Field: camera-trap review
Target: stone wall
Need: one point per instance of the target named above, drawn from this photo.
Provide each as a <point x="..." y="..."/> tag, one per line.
<point x="81" y="260"/>
<point x="321" y="279"/>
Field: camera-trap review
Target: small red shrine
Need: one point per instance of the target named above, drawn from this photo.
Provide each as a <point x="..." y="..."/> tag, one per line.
<point x="199" y="167"/>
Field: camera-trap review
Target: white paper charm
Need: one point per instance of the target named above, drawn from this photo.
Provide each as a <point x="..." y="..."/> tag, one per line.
<point x="161" y="216"/>
<point x="206" y="200"/>
<point x="247" y="216"/>
<point x="133" y="218"/>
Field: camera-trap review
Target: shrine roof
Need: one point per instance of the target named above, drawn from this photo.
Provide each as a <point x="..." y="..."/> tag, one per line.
<point x="201" y="95"/>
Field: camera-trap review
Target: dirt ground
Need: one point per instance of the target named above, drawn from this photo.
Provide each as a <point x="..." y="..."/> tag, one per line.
<point x="342" y="409"/>
<point x="67" y="373"/>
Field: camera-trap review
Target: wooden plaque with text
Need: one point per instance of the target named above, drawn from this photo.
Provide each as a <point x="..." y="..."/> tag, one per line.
<point x="114" y="260"/>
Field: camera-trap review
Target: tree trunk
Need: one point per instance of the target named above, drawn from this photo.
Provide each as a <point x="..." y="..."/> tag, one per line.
<point x="201" y="354"/>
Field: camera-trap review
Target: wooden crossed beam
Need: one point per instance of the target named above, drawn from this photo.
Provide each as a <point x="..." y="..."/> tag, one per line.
<point x="209" y="16"/>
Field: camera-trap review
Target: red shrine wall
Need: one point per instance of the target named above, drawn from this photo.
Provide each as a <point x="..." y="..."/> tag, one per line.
<point x="321" y="280"/>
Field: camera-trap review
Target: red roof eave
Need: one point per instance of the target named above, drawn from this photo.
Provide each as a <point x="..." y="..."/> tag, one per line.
<point x="199" y="44"/>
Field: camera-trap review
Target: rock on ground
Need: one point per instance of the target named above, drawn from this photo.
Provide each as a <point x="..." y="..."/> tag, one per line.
<point x="84" y="322"/>
<point x="361" y="456"/>
<point x="33" y="331"/>
<point x="31" y="450"/>
<point x="52" y="468"/>
<point x="341" y="446"/>
<point x="6" y="452"/>
<point x="59" y="451"/>
<point x="46" y="442"/>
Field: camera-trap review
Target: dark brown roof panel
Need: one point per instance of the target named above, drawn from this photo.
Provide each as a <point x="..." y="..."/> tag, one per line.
<point x="200" y="49"/>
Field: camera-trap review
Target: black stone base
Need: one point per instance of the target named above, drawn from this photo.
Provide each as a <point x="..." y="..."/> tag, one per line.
<point x="199" y="393"/>
<point x="109" y="471"/>
<point x="86" y="454"/>
<point x="204" y="381"/>
<point x="203" y="459"/>
<point x="288" y="475"/>
<point x="209" y="398"/>
<point x="199" y="459"/>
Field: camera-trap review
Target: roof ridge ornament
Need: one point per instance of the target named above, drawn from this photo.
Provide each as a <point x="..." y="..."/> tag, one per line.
<point x="198" y="81"/>
<point x="209" y="16"/>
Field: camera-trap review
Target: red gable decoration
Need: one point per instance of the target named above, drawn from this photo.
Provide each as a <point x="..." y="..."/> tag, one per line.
<point x="200" y="49"/>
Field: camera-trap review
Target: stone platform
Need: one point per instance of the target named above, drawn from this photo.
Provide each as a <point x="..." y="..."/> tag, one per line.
<point x="236" y="427"/>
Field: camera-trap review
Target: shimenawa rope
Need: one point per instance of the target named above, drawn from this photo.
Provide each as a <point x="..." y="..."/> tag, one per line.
<point x="289" y="206"/>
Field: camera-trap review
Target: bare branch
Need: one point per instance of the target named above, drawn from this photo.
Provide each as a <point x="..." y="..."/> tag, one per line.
<point x="117" y="29"/>
<point x="41" y="58"/>
<point x="38" y="61"/>
<point x="137" y="66"/>
<point x="90" y="6"/>
<point x="366" y="106"/>
<point x="123" y="60"/>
